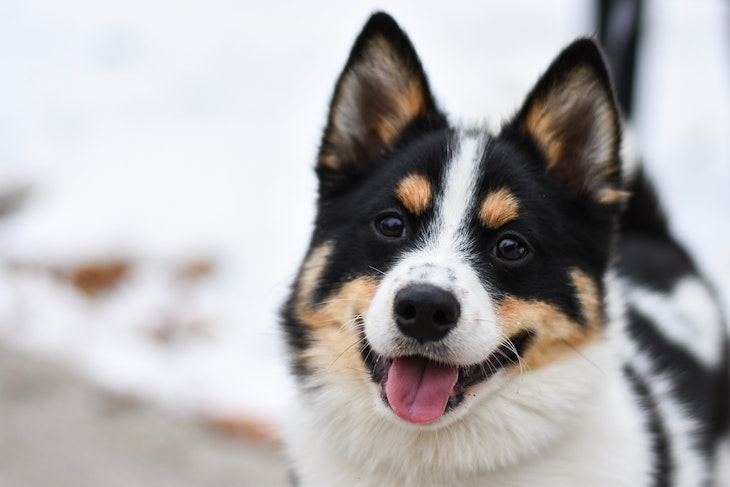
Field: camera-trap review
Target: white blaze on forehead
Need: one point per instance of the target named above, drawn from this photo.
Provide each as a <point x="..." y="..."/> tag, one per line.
<point x="456" y="202"/>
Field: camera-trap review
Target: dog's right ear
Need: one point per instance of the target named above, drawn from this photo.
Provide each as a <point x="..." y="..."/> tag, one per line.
<point x="380" y="92"/>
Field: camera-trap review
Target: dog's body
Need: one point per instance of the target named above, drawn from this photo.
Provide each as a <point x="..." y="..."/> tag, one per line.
<point x="480" y="309"/>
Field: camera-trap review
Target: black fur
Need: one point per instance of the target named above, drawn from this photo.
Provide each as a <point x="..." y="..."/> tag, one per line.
<point x="648" y="253"/>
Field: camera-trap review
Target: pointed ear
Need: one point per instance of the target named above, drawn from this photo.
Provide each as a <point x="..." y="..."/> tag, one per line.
<point x="572" y="117"/>
<point x="381" y="90"/>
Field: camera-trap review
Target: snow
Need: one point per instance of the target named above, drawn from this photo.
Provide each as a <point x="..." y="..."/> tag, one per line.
<point x="164" y="133"/>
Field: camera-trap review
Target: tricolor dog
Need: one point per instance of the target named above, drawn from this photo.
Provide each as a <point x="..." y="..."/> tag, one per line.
<point x="496" y="309"/>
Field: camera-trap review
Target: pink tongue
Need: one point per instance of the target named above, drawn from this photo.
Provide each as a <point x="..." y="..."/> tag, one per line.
<point x="418" y="389"/>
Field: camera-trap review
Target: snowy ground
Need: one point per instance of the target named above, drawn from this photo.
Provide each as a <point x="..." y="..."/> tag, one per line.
<point x="162" y="154"/>
<point x="58" y="430"/>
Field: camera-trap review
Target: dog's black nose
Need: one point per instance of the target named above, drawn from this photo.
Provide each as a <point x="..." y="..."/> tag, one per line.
<point x="425" y="312"/>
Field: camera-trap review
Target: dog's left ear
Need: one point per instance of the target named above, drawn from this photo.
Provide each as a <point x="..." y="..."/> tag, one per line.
<point x="381" y="90"/>
<point x="572" y="117"/>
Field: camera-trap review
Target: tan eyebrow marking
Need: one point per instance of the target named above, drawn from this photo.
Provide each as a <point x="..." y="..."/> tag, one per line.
<point x="498" y="208"/>
<point x="414" y="191"/>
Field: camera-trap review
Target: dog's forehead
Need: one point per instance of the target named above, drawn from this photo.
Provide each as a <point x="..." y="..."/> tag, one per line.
<point x="459" y="187"/>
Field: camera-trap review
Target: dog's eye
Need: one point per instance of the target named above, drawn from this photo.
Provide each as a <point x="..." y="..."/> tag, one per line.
<point x="390" y="226"/>
<point x="511" y="249"/>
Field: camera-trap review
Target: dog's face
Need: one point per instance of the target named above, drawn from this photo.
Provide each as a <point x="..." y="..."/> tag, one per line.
<point x="446" y="262"/>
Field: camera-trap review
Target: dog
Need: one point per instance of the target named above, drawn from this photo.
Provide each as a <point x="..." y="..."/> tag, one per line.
<point x="496" y="309"/>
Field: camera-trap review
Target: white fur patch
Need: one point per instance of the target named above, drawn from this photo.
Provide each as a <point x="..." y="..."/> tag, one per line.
<point x="687" y="316"/>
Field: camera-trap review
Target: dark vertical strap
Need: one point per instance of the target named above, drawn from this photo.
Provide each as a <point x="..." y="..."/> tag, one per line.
<point x="619" y="31"/>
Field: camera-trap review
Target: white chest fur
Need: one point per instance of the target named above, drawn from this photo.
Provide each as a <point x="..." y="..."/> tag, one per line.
<point x="573" y="423"/>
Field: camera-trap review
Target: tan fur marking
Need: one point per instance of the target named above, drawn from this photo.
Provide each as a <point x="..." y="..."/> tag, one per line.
<point x="609" y="196"/>
<point x="588" y="297"/>
<point x="540" y="123"/>
<point x="414" y="191"/>
<point x="332" y="322"/>
<point x="333" y="326"/>
<point x="407" y="99"/>
<point x="310" y="272"/>
<point x="330" y="160"/>
<point x="407" y="105"/>
<point x="498" y="208"/>
<point x="555" y="334"/>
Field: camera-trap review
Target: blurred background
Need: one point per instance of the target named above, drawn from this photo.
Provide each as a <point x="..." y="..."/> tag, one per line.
<point x="157" y="192"/>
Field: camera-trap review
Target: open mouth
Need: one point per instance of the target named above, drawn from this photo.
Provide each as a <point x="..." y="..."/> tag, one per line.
<point x="420" y="390"/>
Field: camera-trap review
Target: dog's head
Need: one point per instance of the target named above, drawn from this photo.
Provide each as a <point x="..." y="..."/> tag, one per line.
<point x="447" y="259"/>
